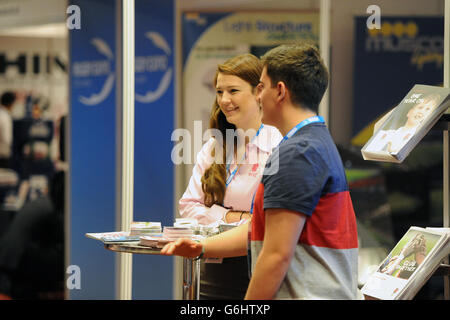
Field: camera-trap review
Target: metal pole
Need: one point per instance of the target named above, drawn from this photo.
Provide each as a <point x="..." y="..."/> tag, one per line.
<point x="324" y="38"/>
<point x="125" y="259"/>
<point x="191" y="279"/>
<point x="446" y="138"/>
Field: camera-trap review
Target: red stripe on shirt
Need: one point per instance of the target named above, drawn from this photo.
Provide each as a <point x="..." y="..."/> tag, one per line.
<point x="332" y="224"/>
<point x="258" y="217"/>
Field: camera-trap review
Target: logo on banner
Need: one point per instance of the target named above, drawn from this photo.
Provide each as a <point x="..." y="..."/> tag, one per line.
<point x="155" y="63"/>
<point x="97" y="68"/>
<point x="404" y="37"/>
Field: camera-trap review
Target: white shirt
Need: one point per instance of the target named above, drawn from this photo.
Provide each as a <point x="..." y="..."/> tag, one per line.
<point x="6" y="132"/>
<point x="240" y="191"/>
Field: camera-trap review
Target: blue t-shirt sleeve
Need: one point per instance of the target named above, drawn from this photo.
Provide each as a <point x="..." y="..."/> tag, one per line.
<point x="299" y="181"/>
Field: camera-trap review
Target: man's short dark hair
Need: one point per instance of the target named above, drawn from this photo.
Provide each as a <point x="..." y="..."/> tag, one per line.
<point x="8" y="98"/>
<point x="302" y="70"/>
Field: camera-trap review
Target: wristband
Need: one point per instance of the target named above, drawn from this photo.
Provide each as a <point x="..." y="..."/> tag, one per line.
<point x="201" y="254"/>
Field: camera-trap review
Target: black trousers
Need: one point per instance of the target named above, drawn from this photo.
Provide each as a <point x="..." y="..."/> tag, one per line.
<point x="224" y="281"/>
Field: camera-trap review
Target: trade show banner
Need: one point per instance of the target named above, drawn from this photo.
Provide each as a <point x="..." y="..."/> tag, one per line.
<point x="388" y="62"/>
<point x="93" y="147"/>
<point x="154" y="123"/>
<point x="35" y="69"/>
<point x="210" y="38"/>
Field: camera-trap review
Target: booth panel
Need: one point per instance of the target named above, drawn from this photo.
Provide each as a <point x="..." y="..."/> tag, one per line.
<point x="154" y="123"/>
<point x="93" y="146"/>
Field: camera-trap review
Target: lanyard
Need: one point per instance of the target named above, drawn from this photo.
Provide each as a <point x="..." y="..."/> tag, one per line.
<point x="231" y="176"/>
<point x="253" y="200"/>
<point x="314" y="119"/>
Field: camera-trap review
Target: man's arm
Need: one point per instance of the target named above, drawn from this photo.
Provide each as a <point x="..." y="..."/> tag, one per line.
<point x="232" y="243"/>
<point x="282" y="231"/>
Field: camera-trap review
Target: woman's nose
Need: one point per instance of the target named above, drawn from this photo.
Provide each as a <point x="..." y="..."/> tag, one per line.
<point x="226" y="98"/>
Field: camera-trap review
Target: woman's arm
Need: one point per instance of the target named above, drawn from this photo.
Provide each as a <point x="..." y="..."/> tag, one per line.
<point x="236" y="216"/>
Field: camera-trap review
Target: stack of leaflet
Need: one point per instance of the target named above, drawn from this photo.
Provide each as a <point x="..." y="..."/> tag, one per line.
<point x="173" y="233"/>
<point x="113" y="237"/>
<point x="154" y="241"/>
<point x="145" y="228"/>
<point x="169" y="234"/>
<point x="185" y="223"/>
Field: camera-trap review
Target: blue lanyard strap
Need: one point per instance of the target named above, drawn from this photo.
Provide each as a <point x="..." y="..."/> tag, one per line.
<point x="314" y="119"/>
<point x="231" y="176"/>
<point x="253" y="202"/>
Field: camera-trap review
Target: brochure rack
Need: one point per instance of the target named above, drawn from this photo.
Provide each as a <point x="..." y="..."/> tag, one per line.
<point x="444" y="125"/>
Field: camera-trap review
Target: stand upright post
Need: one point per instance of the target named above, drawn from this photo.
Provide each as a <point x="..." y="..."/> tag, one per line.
<point x="191" y="279"/>
<point x="446" y="146"/>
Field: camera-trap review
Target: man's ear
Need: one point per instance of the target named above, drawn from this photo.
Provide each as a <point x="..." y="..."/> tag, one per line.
<point x="282" y="91"/>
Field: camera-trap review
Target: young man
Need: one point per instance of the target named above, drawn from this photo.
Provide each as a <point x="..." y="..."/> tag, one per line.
<point x="303" y="230"/>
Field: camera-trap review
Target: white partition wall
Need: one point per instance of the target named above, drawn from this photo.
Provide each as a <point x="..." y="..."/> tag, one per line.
<point x="125" y="260"/>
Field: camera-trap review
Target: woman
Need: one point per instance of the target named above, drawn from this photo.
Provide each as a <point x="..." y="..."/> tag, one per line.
<point x="228" y="171"/>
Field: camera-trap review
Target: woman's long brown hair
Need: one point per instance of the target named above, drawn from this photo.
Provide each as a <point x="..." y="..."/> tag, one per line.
<point x="248" y="68"/>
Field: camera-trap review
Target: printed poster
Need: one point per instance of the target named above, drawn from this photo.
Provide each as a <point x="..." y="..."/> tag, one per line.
<point x="210" y="38"/>
<point x="388" y="62"/>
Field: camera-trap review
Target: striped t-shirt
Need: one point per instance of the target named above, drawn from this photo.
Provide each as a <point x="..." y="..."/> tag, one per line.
<point x="305" y="174"/>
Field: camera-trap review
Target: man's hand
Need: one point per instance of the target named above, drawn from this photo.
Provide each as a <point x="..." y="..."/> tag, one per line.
<point x="183" y="247"/>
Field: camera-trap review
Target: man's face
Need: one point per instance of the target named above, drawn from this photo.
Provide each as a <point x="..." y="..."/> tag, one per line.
<point x="267" y="98"/>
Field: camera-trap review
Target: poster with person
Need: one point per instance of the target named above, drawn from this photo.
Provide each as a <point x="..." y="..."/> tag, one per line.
<point x="210" y="38"/>
<point x="410" y="263"/>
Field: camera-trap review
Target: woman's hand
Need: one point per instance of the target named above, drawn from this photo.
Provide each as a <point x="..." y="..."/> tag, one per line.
<point x="183" y="247"/>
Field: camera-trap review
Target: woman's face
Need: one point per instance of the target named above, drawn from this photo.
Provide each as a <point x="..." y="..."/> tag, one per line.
<point x="237" y="100"/>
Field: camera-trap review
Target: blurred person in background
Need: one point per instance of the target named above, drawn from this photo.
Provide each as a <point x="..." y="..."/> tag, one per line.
<point x="7" y="101"/>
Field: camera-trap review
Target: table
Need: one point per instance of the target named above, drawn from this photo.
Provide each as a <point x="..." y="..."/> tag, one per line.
<point x="191" y="268"/>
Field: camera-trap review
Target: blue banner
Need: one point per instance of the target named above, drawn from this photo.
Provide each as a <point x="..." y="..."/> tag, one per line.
<point x="154" y="123"/>
<point x="93" y="146"/>
<point x="389" y="61"/>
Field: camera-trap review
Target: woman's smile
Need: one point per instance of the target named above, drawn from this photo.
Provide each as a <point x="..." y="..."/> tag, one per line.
<point x="237" y="100"/>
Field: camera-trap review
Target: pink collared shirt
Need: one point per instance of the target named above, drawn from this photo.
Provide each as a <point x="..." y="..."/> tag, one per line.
<point x="240" y="191"/>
